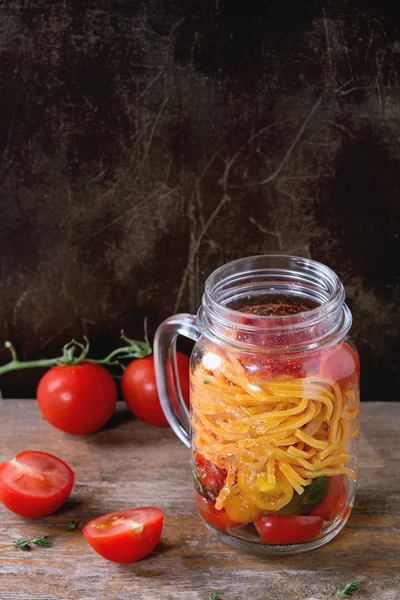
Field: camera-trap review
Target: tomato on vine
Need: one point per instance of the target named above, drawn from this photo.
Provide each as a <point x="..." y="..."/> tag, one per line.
<point x="77" y="394"/>
<point x="77" y="399"/>
<point x="139" y="388"/>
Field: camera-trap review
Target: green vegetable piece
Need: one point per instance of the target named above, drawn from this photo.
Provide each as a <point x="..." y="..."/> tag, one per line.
<point x="213" y="597"/>
<point x="316" y="491"/>
<point x="294" y="507"/>
<point x="312" y="495"/>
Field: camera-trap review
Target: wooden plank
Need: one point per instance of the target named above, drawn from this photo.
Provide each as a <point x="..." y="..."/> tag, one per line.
<point x="131" y="464"/>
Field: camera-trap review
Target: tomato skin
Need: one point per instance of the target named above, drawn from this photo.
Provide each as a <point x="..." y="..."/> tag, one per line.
<point x="113" y="537"/>
<point x="139" y="388"/>
<point x="241" y="509"/>
<point x="334" y="502"/>
<point x="77" y="399"/>
<point x="209" y="474"/>
<point x="216" y="518"/>
<point x="35" y="484"/>
<point x="342" y="364"/>
<point x="279" y="529"/>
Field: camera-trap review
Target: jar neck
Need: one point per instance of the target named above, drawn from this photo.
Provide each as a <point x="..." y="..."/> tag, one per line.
<point x="321" y="317"/>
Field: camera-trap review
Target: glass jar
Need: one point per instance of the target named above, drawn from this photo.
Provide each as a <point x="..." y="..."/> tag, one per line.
<point x="273" y="424"/>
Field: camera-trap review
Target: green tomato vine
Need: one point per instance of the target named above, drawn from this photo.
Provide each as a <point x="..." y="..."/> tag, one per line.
<point x="75" y="353"/>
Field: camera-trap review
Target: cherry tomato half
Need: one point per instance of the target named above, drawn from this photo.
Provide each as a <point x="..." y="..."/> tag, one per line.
<point x="209" y="474"/>
<point x="216" y="518"/>
<point x="125" y="536"/>
<point x="341" y="363"/>
<point x="77" y="399"/>
<point x="263" y="494"/>
<point x="35" y="484"/>
<point x="241" y="510"/>
<point x="279" y="529"/>
<point x="334" y="502"/>
<point x="139" y="388"/>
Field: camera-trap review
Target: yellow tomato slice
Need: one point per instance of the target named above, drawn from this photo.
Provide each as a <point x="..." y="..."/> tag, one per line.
<point x="265" y="495"/>
<point x="241" y="510"/>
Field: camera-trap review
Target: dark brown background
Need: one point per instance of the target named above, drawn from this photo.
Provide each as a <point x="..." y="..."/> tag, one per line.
<point x="145" y="143"/>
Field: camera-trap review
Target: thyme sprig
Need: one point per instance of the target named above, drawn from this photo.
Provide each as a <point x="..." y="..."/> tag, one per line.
<point x="346" y="591"/>
<point x="25" y="543"/>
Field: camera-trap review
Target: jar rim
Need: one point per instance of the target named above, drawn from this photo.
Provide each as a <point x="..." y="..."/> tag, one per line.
<point x="299" y="277"/>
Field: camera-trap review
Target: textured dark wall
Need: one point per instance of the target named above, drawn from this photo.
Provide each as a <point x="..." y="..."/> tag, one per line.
<point x="144" y="143"/>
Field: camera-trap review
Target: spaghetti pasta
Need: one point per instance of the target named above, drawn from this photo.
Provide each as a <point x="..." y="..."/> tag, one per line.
<point x="296" y="426"/>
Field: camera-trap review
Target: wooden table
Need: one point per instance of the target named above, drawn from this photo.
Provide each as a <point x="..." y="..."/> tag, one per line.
<point x="131" y="464"/>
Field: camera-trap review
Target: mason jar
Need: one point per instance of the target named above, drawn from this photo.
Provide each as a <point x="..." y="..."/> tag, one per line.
<point x="273" y="423"/>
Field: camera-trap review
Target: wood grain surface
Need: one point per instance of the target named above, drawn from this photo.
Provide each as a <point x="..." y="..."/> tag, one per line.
<point x="132" y="464"/>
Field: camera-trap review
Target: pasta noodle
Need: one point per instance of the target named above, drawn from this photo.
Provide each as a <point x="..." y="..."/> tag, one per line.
<point x="296" y="426"/>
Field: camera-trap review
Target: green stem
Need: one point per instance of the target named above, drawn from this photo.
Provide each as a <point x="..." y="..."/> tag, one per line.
<point x="67" y="358"/>
<point x="15" y="365"/>
<point x="134" y="349"/>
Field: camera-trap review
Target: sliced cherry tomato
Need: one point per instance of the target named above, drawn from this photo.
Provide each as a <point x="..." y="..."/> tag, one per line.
<point x="209" y="474"/>
<point x="241" y="509"/>
<point x="77" y="399"/>
<point x="311" y="364"/>
<point x="35" y="484"/>
<point x="279" y="529"/>
<point x="125" y="536"/>
<point x="334" y="502"/>
<point x="340" y="364"/>
<point x="216" y="518"/>
<point x="263" y="494"/>
<point x="139" y="388"/>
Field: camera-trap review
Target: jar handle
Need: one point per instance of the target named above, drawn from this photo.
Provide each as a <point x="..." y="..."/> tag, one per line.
<point x="165" y="361"/>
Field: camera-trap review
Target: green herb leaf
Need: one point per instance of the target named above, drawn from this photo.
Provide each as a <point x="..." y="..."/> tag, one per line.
<point x="72" y="525"/>
<point x="346" y="591"/>
<point x="206" y="382"/>
<point x="312" y="495"/>
<point x="316" y="491"/>
<point x="42" y="540"/>
<point x="22" y="544"/>
<point x="213" y="597"/>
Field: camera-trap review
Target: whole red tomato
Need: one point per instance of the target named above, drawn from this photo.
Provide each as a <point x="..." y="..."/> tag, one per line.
<point x="139" y="388"/>
<point x="77" y="399"/>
